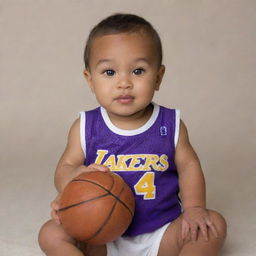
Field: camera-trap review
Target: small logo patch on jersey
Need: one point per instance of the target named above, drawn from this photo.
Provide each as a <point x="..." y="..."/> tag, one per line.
<point x="163" y="131"/>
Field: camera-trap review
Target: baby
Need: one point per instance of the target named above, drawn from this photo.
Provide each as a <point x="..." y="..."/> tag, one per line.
<point x="143" y="142"/>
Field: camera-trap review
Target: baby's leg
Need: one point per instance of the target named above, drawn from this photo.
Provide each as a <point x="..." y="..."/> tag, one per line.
<point x="55" y="242"/>
<point x="173" y="245"/>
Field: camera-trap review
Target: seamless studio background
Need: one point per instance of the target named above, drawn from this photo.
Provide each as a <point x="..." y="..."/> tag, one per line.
<point x="209" y="53"/>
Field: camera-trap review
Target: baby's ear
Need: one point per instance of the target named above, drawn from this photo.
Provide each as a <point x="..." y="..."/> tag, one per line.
<point x="88" y="78"/>
<point x="159" y="77"/>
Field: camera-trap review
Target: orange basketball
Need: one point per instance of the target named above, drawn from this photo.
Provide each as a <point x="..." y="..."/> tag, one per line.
<point x="96" y="207"/>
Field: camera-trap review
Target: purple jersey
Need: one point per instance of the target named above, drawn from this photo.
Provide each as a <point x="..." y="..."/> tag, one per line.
<point x="143" y="157"/>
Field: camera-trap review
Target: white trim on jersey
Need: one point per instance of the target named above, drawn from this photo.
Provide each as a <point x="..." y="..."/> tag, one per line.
<point x="177" y="127"/>
<point x="82" y="131"/>
<point x="119" y="131"/>
<point x="140" y="130"/>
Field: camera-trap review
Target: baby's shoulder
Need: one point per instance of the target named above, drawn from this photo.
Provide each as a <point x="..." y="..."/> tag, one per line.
<point x="74" y="130"/>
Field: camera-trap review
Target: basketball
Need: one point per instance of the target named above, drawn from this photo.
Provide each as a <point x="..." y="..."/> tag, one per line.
<point x="96" y="207"/>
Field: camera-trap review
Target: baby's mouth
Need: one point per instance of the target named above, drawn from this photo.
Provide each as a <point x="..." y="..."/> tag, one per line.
<point x="125" y="99"/>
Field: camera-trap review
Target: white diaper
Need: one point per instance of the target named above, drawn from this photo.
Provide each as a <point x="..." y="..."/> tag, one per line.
<point x="141" y="245"/>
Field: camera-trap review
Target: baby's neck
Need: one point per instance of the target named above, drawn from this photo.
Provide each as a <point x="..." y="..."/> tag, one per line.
<point x="134" y="121"/>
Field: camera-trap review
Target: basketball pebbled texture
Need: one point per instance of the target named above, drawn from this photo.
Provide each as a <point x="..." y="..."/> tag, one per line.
<point x="96" y="207"/>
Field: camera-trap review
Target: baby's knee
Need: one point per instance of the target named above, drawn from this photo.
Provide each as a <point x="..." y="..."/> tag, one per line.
<point x="46" y="235"/>
<point x="219" y="222"/>
<point x="50" y="235"/>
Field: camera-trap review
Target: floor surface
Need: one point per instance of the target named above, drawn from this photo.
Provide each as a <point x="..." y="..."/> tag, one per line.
<point x="26" y="194"/>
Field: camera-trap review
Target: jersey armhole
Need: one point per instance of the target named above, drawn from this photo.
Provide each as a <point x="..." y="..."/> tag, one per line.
<point x="177" y="127"/>
<point x="82" y="131"/>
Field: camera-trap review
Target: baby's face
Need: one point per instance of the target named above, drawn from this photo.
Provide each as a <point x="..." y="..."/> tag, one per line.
<point x="124" y="72"/>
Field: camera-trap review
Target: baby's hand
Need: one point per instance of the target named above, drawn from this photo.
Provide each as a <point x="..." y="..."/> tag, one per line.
<point x="55" y="207"/>
<point x="195" y="219"/>
<point x="97" y="167"/>
<point x="90" y="168"/>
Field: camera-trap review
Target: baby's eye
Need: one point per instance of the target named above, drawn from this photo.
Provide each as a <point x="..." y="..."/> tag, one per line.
<point x="138" y="71"/>
<point x="109" y="72"/>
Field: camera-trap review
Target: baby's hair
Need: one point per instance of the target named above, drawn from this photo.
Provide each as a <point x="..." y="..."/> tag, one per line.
<point x="122" y="23"/>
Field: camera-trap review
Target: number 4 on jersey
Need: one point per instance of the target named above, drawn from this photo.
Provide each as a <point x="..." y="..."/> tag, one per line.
<point x="145" y="186"/>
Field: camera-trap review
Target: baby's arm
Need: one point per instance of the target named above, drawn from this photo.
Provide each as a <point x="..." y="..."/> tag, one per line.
<point x="71" y="164"/>
<point x="191" y="179"/>
<point x="192" y="188"/>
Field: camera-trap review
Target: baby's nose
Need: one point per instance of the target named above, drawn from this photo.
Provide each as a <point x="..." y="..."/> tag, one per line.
<point x="125" y="82"/>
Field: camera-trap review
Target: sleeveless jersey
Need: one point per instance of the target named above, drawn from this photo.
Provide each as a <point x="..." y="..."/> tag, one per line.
<point x="144" y="158"/>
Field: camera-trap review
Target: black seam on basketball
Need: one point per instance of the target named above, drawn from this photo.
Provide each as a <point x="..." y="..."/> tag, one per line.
<point x="82" y="202"/>
<point x="113" y="182"/>
<point x="117" y="198"/>
<point x="120" y="201"/>
<point x="103" y="224"/>
<point x="109" y="215"/>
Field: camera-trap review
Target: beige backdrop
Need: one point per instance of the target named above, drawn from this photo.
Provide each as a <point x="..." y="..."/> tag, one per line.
<point x="209" y="53"/>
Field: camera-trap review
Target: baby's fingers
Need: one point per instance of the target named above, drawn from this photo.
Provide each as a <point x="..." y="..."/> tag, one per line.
<point x="55" y="207"/>
<point x="212" y="227"/>
<point x="55" y="216"/>
<point x="98" y="167"/>
<point x="184" y="229"/>
<point x="203" y="228"/>
<point x="194" y="232"/>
